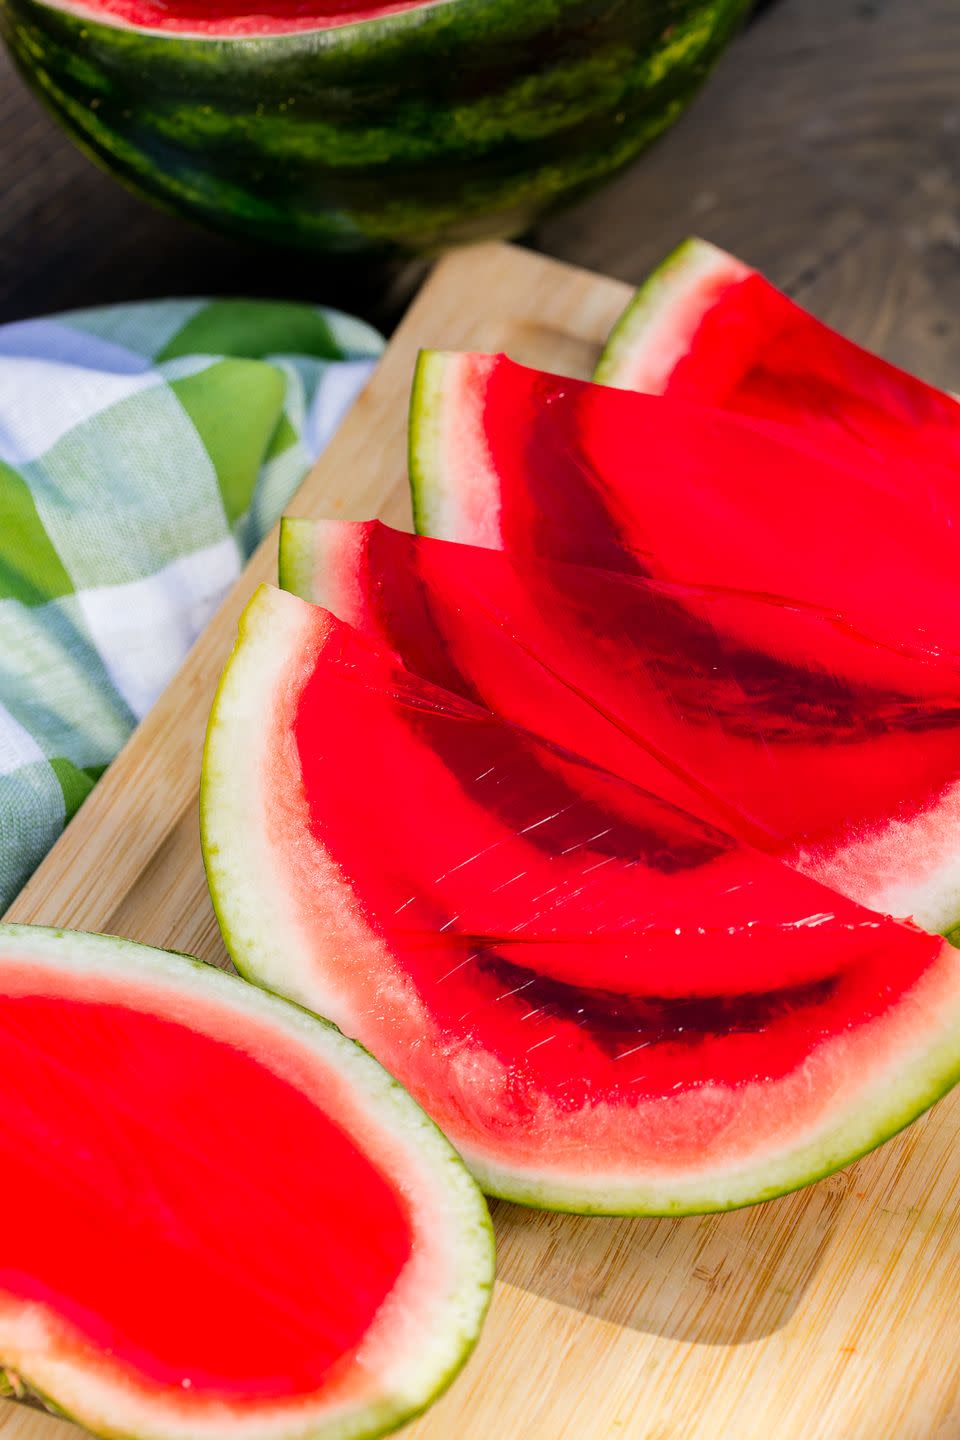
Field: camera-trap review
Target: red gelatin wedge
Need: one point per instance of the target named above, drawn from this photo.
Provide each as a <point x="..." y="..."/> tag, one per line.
<point x="507" y="457"/>
<point x="220" y="1216"/>
<point x="843" y="743"/>
<point x="513" y="458"/>
<point x="707" y="328"/>
<point x="363" y="831"/>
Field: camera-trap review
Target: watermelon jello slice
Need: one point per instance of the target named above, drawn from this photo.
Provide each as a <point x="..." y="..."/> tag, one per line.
<point x="604" y="1002"/>
<point x="221" y="1218"/>
<point x="514" y="458"/>
<point x="507" y="457"/>
<point x="708" y="328"/>
<point x="802" y="757"/>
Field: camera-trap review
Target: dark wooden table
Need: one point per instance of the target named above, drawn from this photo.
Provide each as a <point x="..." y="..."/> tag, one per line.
<point x="824" y="150"/>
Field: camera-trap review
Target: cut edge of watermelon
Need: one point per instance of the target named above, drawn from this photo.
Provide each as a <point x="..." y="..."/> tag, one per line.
<point x="657" y="327"/>
<point x="446" y="423"/>
<point x="264" y="672"/>
<point x="318" y="562"/>
<point x="917" y="1085"/>
<point x="414" y="1366"/>
<point x="256" y="680"/>
<point x="929" y="895"/>
<point x="295" y="564"/>
<point x="176" y="23"/>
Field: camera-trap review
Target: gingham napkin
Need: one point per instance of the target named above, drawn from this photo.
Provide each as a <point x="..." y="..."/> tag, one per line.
<point x="144" y="451"/>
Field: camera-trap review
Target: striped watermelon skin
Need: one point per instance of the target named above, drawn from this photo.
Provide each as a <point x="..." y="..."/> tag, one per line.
<point x="440" y="125"/>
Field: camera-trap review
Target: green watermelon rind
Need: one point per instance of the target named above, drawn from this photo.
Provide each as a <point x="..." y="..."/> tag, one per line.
<point x="439" y="125"/>
<point x="421" y="473"/>
<point x="933" y="1076"/>
<point x="266" y="947"/>
<point x="468" y="1305"/>
<point x="295" y="560"/>
<point x="425" y="472"/>
<point x="436" y="500"/>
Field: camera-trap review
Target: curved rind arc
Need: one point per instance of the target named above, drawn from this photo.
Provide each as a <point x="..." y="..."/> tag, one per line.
<point x="651" y="334"/>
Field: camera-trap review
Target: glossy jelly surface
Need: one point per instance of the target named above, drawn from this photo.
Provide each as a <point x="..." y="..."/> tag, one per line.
<point x="783" y="724"/>
<point x="560" y="943"/>
<point x="177" y="1205"/>
<point x="753" y="351"/>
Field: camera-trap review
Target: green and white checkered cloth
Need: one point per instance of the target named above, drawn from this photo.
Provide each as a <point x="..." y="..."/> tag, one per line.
<point x="144" y="451"/>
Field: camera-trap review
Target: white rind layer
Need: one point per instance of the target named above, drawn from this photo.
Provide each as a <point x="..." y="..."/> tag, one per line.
<point x="908" y="868"/>
<point x="455" y="487"/>
<point x="422" y="1333"/>
<point x="656" y="330"/>
<point x="320" y="561"/>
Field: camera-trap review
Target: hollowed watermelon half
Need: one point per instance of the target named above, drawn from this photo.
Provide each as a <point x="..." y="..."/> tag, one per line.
<point x="812" y="758"/>
<point x="221" y="1218"/>
<point x="706" y="327"/>
<point x="606" y="1003"/>
<point x="366" y="124"/>
<point x="510" y="458"/>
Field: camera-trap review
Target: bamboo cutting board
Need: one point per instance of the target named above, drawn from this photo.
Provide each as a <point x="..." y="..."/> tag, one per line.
<point x="830" y="1314"/>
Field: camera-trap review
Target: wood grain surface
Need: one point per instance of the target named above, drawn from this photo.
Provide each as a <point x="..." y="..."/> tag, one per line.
<point x="828" y="1314"/>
